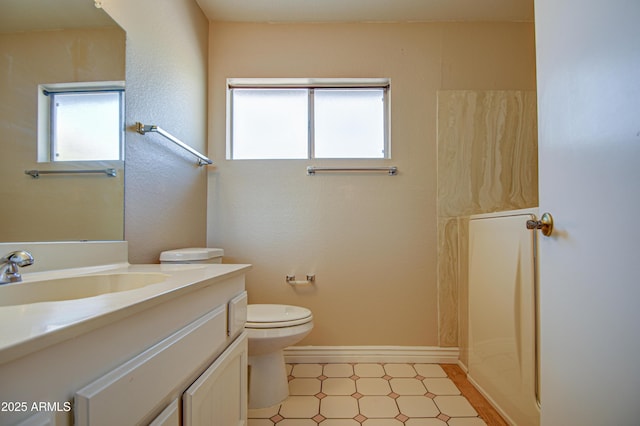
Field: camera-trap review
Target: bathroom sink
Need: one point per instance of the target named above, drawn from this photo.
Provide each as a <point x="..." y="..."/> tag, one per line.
<point x="76" y="287"/>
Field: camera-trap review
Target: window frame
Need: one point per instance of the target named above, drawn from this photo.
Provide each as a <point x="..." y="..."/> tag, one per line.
<point x="311" y="84"/>
<point x="47" y="114"/>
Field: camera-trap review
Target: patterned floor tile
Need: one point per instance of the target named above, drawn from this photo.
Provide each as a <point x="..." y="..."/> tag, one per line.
<point x="340" y="422"/>
<point x="264" y="413"/>
<point x="369" y="370"/>
<point x="338" y="407"/>
<point x="369" y="394"/>
<point x="382" y="422"/>
<point x="338" y="370"/>
<point x="417" y="406"/>
<point x="304" y="386"/>
<point x="297" y="422"/>
<point x="373" y="386"/>
<point x="407" y="386"/>
<point x="430" y="370"/>
<point x="467" y="421"/>
<point x="400" y="370"/>
<point x="455" y="406"/>
<point x="338" y="386"/>
<point x="425" y="422"/>
<point x="378" y="407"/>
<point x="306" y="370"/>
<point x="441" y="386"/>
<point x="300" y="407"/>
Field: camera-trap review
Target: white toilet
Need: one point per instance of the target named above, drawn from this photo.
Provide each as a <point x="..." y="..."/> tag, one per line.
<point x="270" y="329"/>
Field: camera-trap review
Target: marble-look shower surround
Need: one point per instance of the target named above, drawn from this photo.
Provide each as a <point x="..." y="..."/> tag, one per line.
<point x="487" y="162"/>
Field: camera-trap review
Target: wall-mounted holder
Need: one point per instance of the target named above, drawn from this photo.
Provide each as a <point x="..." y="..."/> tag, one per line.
<point x="291" y="279"/>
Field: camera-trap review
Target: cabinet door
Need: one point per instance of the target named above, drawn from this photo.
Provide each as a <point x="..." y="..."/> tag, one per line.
<point x="170" y="416"/>
<point x="40" y="419"/>
<point x="219" y="396"/>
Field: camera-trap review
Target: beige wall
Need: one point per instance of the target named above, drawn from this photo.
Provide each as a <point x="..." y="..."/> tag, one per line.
<point x="65" y="207"/>
<point x="165" y="191"/>
<point x="371" y="240"/>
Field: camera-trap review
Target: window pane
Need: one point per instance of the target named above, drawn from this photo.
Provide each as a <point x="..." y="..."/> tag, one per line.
<point x="86" y="126"/>
<point x="269" y="124"/>
<point x="349" y="123"/>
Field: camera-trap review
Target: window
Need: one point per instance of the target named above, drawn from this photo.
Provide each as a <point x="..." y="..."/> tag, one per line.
<point x="301" y="119"/>
<point x="80" y="122"/>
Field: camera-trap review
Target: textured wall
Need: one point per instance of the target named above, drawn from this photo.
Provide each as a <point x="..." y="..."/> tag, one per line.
<point x="371" y="239"/>
<point x="487" y="162"/>
<point x="165" y="191"/>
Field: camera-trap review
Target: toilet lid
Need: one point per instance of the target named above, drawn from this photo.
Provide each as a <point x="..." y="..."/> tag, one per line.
<point x="191" y="254"/>
<point x="270" y="316"/>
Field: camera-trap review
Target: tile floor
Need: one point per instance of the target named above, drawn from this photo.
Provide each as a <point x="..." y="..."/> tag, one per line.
<point x="369" y="395"/>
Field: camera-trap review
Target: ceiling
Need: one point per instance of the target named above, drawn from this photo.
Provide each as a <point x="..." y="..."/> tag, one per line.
<point x="32" y="15"/>
<point x="367" y="10"/>
<point x="25" y="15"/>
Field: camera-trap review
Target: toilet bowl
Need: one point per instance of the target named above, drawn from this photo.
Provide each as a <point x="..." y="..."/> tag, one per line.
<point x="271" y="328"/>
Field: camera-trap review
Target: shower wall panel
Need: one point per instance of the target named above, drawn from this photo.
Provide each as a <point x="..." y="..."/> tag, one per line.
<point x="502" y="313"/>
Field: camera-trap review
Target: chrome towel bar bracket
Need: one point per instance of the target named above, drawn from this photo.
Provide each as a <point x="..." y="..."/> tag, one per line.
<point x="291" y="279"/>
<point x="143" y="129"/>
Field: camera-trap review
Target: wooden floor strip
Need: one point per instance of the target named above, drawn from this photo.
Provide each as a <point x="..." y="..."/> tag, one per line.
<point x="482" y="406"/>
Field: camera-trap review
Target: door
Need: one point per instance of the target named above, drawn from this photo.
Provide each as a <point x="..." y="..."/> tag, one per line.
<point x="588" y="64"/>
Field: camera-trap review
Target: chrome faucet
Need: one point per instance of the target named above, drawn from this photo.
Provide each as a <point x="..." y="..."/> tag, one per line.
<point x="9" y="272"/>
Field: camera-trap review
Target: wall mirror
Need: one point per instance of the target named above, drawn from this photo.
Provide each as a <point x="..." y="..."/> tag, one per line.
<point x="53" y="43"/>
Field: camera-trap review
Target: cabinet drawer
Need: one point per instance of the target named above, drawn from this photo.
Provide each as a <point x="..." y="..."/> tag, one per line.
<point x="130" y="393"/>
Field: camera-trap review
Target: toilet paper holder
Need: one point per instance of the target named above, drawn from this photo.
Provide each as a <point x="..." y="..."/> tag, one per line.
<point x="291" y="279"/>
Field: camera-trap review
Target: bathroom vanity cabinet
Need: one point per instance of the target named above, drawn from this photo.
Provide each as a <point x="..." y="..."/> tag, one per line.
<point x="177" y="359"/>
<point x="131" y="392"/>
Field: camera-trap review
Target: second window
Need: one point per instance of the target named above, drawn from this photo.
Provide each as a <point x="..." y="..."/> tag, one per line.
<point x="297" y="121"/>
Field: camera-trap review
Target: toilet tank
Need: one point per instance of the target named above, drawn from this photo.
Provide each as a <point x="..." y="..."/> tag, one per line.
<point x="192" y="255"/>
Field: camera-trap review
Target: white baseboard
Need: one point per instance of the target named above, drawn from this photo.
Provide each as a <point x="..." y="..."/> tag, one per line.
<point x="344" y="354"/>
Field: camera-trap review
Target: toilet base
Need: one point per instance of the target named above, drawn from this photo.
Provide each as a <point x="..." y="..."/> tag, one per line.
<point x="268" y="383"/>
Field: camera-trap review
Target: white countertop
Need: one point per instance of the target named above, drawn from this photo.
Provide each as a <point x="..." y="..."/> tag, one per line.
<point x="31" y="327"/>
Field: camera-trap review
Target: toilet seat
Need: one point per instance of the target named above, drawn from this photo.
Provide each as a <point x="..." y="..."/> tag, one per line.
<point x="276" y="316"/>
